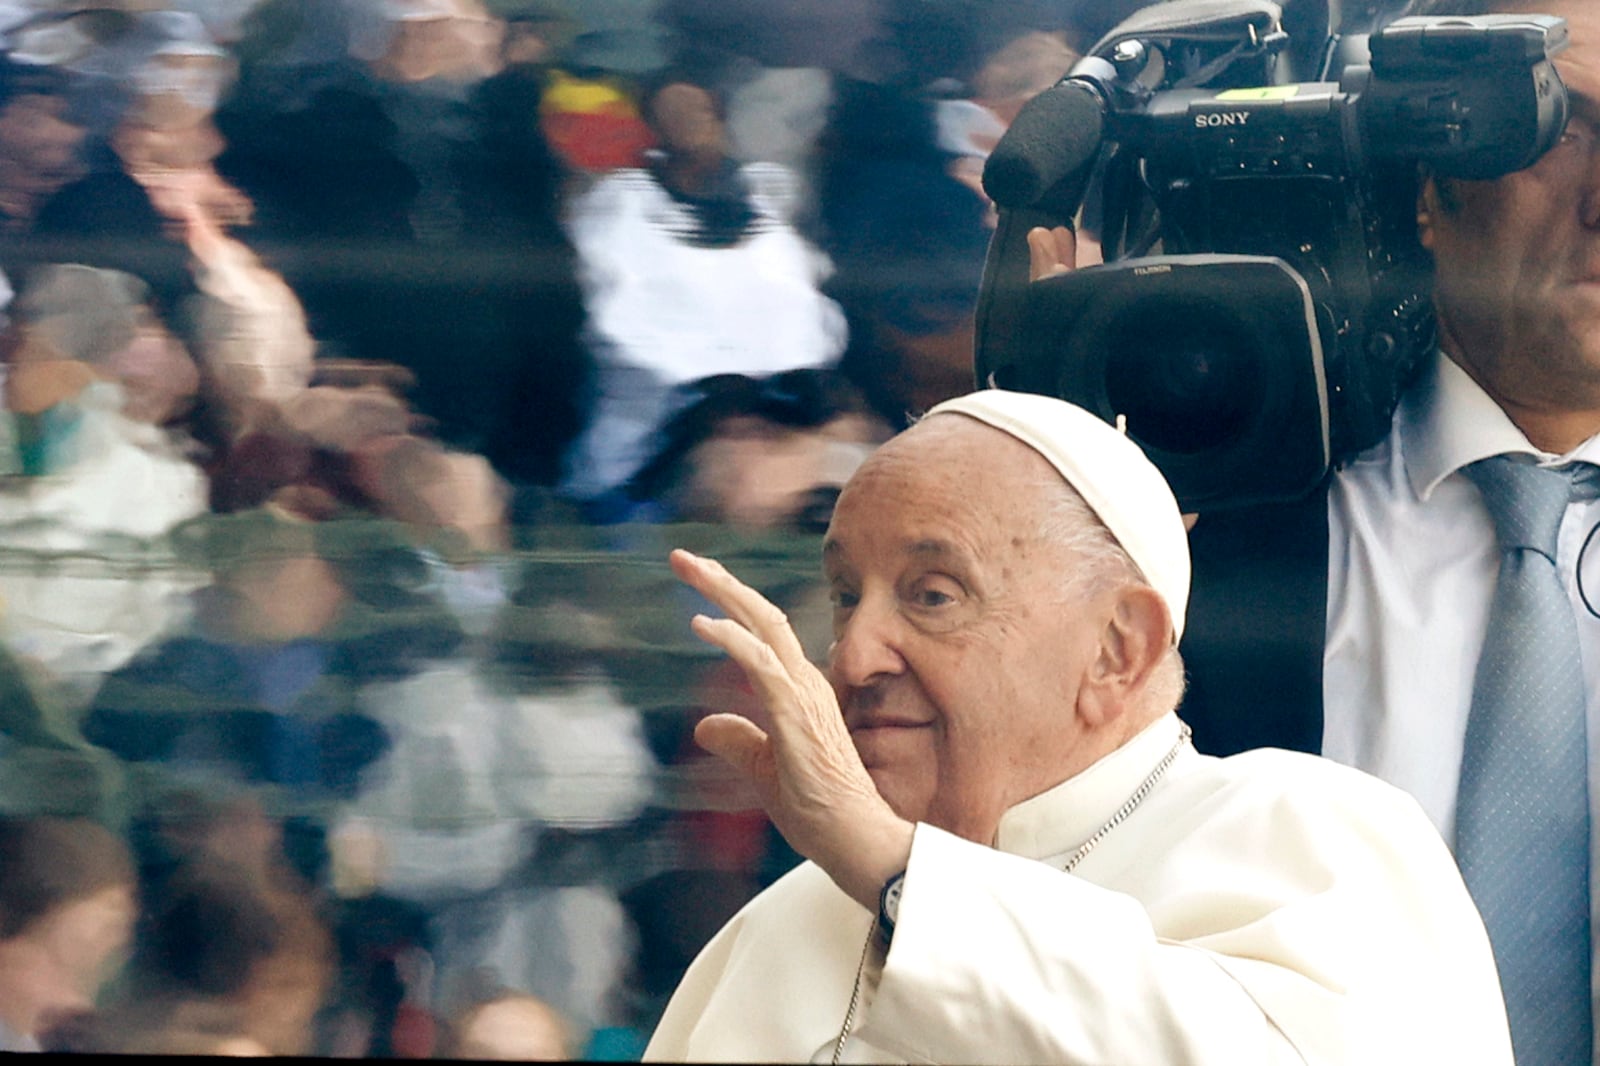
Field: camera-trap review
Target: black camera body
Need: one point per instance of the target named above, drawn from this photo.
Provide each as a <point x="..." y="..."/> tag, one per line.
<point x="1288" y="307"/>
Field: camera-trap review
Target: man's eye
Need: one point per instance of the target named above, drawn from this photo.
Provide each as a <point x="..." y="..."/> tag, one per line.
<point x="844" y="600"/>
<point x="932" y="597"/>
<point x="1578" y="133"/>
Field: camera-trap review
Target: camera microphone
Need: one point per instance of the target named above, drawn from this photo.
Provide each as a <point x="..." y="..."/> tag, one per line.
<point x="1054" y="136"/>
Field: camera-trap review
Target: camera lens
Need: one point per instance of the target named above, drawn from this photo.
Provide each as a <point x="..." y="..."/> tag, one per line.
<point x="1187" y="378"/>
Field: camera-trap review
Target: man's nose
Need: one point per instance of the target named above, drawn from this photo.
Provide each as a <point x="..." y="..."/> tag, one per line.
<point x="865" y="648"/>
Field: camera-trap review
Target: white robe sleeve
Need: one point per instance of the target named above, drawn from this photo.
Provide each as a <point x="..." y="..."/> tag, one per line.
<point x="1255" y="911"/>
<point x="1354" y="947"/>
<point x="997" y="958"/>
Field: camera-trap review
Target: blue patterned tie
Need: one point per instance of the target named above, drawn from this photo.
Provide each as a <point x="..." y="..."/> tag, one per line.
<point x="1522" y="816"/>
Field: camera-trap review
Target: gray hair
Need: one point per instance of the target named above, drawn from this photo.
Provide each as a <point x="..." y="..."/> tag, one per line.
<point x="1067" y="521"/>
<point x="1099" y="563"/>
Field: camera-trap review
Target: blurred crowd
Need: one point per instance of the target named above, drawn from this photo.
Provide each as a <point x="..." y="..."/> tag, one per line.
<point x="362" y="360"/>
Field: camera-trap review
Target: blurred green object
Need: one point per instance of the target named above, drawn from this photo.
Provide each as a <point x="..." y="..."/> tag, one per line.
<point x="602" y="598"/>
<point x="46" y="767"/>
<point x="583" y="602"/>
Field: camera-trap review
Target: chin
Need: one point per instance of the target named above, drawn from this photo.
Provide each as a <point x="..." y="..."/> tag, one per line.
<point x="902" y="796"/>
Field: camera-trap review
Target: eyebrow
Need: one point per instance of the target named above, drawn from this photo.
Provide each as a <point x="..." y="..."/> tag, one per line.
<point x="933" y="547"/>
<point x="1583" y="106"/>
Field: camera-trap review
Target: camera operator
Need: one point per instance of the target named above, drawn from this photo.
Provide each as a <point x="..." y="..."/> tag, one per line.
<point x="1429" y="679"/>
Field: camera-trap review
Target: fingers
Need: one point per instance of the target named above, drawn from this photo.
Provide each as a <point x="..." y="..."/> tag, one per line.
<point x="773" y="680"/>
<point x="758" y="638"/>
<point x="737" y="741"/>
<point x="742" y="604"/>
<point x="1051" y="252"/>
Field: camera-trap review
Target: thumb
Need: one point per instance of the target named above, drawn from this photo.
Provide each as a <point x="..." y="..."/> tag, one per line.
<point x="737" y="741"/>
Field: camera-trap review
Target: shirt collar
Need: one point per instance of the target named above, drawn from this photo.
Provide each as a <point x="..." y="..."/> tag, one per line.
<point x="1058" y="820"/>
<point x="1447" y="421"/>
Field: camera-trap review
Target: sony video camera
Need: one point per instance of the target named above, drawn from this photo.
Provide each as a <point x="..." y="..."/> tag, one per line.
<point x="1288" y="306"/>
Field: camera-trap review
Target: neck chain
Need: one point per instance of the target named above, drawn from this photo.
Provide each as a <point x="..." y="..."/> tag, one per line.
<point x="1132" y="802"/>
<point x="1117" y="818"/>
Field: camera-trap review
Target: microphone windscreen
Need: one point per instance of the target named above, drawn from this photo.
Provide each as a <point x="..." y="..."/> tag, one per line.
<point x="1054" y="134"/>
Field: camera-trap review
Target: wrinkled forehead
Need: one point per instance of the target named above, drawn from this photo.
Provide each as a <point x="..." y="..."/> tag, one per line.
<point x="949" y="463"/>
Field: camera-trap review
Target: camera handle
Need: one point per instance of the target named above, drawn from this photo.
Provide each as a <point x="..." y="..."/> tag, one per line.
<point x="1003" y="292"/>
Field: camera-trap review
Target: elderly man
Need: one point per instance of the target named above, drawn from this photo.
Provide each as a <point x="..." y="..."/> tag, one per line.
<point x="1454" y="629"/>
<point x="1015" y="854"/>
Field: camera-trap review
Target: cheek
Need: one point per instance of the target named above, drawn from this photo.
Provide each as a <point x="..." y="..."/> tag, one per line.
<point x="1520" y="225"/>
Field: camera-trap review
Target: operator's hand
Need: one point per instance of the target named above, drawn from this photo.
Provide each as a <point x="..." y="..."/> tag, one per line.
<point x="806" y="771"/>
<point x="1051" y="252"/>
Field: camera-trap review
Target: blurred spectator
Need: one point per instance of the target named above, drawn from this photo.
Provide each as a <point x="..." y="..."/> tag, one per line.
<point x="902" y="209"/>
<point x="970" y="125"/>
<point x="77" y="325"/>
<point x="67" y="908"/>
<point x="777" y="115"/>
<point x="456" y="818"/>
<point x="511" y="1027"/>
<point x="46" y="767"/>
<point x="593" y="125"/>
<point x="260" y="690"/>
<point x="758" y="453"/>
<point x="384" y="133"/>
<point x="94" y="384"/>
<point x="228" y="954"/>
<point x="546" y="396"/>
<point x="323" y="285"/>
<point x="145" y="82"/>
<point x="41" y="143"/>
<point x="114" y="49"/>
<point x="910" y="241"/>
<point x="690" y="269"/>
<point x="786" y="54"/>
<point x="536" y="31"/>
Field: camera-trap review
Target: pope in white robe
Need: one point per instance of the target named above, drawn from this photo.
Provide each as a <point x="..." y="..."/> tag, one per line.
<point x="1016" y="855"/>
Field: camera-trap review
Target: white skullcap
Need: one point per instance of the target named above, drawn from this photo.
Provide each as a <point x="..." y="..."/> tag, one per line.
<point x="1110" y="472"/>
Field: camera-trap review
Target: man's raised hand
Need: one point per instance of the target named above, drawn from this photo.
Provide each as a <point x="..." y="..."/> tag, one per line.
<point x="806" y="771"/>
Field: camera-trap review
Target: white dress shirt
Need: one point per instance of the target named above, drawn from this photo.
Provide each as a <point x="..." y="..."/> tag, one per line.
<point x="1267" y="908"/>
<point x="1413" y="560"/>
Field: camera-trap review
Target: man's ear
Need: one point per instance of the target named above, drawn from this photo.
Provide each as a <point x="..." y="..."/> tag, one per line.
<point x="1427" y="209"/>
<point x="1136" y="638"/>
<point x="1436" y="198"/>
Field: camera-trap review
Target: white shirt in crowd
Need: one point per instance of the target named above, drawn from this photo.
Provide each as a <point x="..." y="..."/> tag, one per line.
<point x="663" y="311"/>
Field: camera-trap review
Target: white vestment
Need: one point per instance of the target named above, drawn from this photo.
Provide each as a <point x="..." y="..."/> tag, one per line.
<point x="1266" y="908"/>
